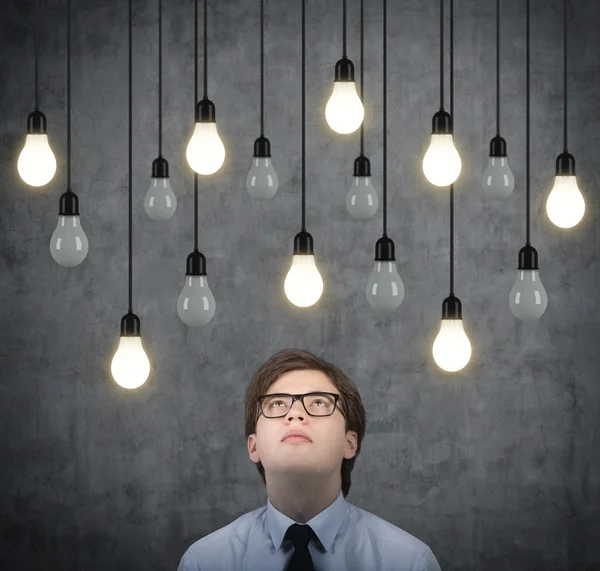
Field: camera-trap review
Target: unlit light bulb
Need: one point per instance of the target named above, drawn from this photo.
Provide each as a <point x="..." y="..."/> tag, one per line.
<point x="441" y="163"/>
<point x="130" y="366"/>
<point x="196" y="304"/>
<point x="160" y="202"/>
<point x="37" y="163"/>
<point x="69" y="243"/>
<point x="362" y="200"/>
<point x="528" y="298"/>
<point x="262" y="181"/>
<point x="498" y="179"/>
<point x="451" y="348"/>
<point x="303" y="282"/>
<point x="565" y="205"/>
<point x="385" y="289"/>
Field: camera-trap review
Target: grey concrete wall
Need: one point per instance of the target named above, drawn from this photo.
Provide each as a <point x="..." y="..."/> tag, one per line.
<point x="495" y="468"/>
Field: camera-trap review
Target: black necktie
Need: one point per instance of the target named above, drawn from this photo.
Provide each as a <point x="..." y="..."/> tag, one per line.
<point x="300" y="536"/>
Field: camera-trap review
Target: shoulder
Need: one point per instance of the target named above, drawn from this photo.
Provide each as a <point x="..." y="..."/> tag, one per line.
<point x="228" y="539"/>
<point x="391" y="539"/>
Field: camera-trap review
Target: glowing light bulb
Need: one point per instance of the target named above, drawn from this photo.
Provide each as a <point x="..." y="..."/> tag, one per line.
<point x="130" y="365"/>
<point x="160" y="202"/>
<point x="451" y="348"/>
<point x="262" y="181"/>
<point x="565" y="205"/>
<point x="344" y="111"/>
<point x="441" y="163"/>
<point x="362" y="200"/>
<point x="205" y="152"/>
<point x="37" y="163"/>
<point x="303" y="282"/>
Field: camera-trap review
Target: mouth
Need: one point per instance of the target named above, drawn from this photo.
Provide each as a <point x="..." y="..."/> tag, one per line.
<point x="296" y="438"/>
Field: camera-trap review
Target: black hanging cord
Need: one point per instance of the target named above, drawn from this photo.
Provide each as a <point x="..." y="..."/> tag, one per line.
<point x="441" y="54"/>
<point x="362" y="74"/>
<point x="195" y="100"/>
<point x="452" y="115"/>
<point x="385" y="118"/>
<point x="527" y="136"/>
<point x="565" y="71"/>
<point x="205" y="51"/>
<point x="498" y="68"/>
<point x="37" y="33"/>
<point x="262" y="68"/>
<point x="160" y="78"/>
<point x="303" y="120"/>
<point x="344" y="29"/>
<point x="68" y="94"/>
<point x="130" y="164"/>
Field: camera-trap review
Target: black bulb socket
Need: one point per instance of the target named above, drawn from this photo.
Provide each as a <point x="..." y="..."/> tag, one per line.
<point x="362" y="166"/>
<point x="195" y="264"/>
<point x="385" y="250"/>
<point x="497" y="147"/>
<point x="303" y="244"/>
<point x="451" y="308"/>
<point x="565" y="164"/>
<point x="36" y="123"/>
<point x="68" y="204"/>
<point x="160" y="168"/>
<point x="528" y="258"/>
<point x="344" y="70"/>
<point x="205" y="111"/>
<point x="130" y="325"/>
<point x="262" y="147"/>
<point x="441" y="124"/>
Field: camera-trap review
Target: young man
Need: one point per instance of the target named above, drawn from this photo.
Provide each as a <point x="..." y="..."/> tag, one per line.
<point x="305" y="423"/>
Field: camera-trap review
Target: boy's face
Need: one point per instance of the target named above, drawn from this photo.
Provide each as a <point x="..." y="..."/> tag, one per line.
<point x="329" y="442"/>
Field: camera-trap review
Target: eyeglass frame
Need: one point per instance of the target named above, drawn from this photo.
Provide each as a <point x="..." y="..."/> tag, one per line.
<point x="337" y="397"/>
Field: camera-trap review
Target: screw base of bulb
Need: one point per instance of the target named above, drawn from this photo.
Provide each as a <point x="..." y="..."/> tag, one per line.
<point x="262" y="147"/>
<point x="528" y="258"/>
<point x="160" y="168"/>
<point x="565" y="164"/>
<point x="362" y="166"/>
<point x="68" y="204"/>
<point x="451" y="308"/>
<point x="385" y="250"/>
<point x="205" y="111"/>
<point x="441" y="124"/>
<point x="497" y="147"/>
<point x="344" y="70"/>
<point x="130" y="325"/>
<point x="195" y="264"/>
<point x="303" y="243"/>
<point x="36" y="123"/>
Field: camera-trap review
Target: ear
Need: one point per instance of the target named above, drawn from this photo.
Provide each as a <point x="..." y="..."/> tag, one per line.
<point x="252" y="451"/>
<point x="351" y="444"/>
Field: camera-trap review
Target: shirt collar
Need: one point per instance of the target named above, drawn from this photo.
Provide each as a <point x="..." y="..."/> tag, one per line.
<point x="325" y="524"/>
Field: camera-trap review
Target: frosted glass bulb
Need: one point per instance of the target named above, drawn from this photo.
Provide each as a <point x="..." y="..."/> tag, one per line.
<point x="441" y="163"/>
<point x="385" y="289"/>
<point x="344" y="111"/>
<point x="262" y="181"/>
<point x="451" y="348"/>
<point x="528" y="298"/>
<point x="362" y="200"/>
<point x="205" y="152"/>
<point x="498" y="179"/>
<point x="565" y="204"/>
<point x="303" y="283"/>
<point x="36" y="164"/>
<point x="69" y="244"/>
<point x="160" y="202"/>
<point x="196" y="304"/>
<point x="130" y="366"/>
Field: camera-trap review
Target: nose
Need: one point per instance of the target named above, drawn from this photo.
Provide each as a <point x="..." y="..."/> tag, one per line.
<point x="299" y="410"/>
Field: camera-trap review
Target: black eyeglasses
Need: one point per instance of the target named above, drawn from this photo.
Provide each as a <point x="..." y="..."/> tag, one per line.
<point x="277" y="405"/>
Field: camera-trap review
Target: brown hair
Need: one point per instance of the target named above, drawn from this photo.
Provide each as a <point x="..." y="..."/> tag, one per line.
<point x="294" y="360"/>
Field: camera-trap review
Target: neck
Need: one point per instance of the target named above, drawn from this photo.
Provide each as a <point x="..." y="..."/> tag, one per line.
<point x="300" y="496"/>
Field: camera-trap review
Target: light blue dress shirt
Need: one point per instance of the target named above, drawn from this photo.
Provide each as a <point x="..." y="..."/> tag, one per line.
<point x="350" y="539"/>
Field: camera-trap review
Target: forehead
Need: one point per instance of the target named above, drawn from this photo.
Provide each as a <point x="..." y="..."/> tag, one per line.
<point x="302" y="382"/>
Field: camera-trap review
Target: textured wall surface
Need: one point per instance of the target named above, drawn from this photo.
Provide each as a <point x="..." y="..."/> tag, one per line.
<point x="496" y="468"/>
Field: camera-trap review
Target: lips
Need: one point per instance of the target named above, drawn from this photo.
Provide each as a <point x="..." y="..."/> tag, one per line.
<point x="296" y="436"/>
